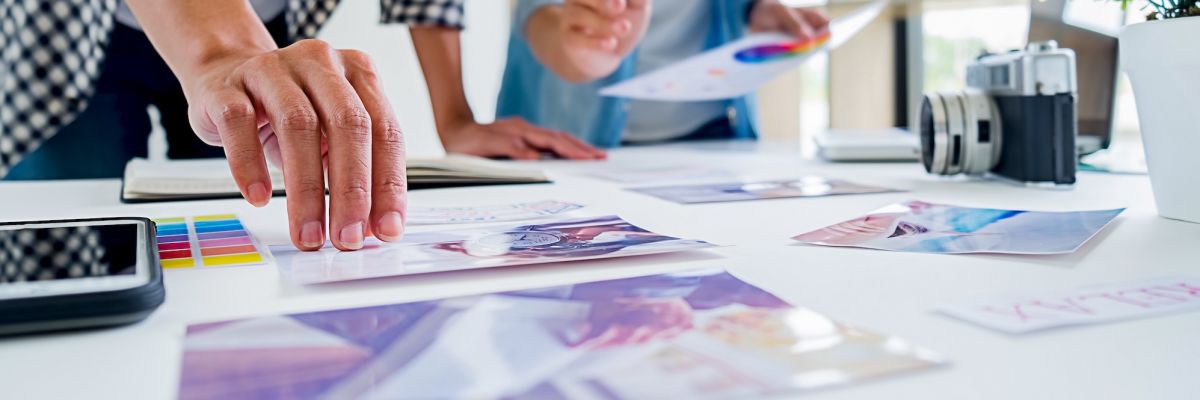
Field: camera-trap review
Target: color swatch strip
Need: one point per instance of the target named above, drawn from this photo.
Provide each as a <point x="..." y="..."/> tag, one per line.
<point x="773" y="52"/>
<point x="205" y="241"/>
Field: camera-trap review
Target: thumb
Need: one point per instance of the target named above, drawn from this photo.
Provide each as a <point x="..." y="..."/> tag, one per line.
<point x="204" y="126"/>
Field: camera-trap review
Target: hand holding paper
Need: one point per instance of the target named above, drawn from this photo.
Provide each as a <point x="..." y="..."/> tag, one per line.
<point x="740" y="67"/>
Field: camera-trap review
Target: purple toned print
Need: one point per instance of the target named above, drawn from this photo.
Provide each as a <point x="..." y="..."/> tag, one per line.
<point x="221" y="235"/>
<point x="375" y="343"/>
<point x="172" y="238"/>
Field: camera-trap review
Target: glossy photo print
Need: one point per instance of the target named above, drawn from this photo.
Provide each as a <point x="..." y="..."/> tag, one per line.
<point x="921" y="227"/>
<point x="742" y="191"/>
<point x="696" y="335"/>
<point x="497" y="246"/>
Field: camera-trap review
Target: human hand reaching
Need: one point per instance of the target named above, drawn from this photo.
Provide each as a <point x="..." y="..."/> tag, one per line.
<point x="604" y="25"/>
<point x="517" y="139"/>
<point x="317" y="112"/>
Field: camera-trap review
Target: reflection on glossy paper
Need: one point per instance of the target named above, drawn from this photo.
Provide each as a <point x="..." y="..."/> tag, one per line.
<point x="697" y="335"/>
<point x="426" y="252"/>
<point x="489" y="213"/>
<point x="922" y="227"/>
<point x="739" y="191"/>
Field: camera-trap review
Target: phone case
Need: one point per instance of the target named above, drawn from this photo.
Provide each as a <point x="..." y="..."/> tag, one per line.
<point x="87" y="310"/>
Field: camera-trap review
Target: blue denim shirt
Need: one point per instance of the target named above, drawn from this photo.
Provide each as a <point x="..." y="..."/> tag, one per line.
<point x="535" y="93"/>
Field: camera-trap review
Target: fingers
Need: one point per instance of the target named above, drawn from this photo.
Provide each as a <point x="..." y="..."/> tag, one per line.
<point x="817" y="20"/>
<point x="235" y="120"/>
<point x="388" y="175"/>
<point x="794" y="23"/>
<point x="347" y="126"/>
<point x="518" y="149"/>
<point x="562" y="144"/>
<point x="610" y="8"/>
<point x="596" y="24"/>
<point x="298" y="132"/>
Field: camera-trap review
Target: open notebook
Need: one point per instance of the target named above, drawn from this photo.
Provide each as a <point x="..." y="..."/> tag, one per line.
<point x="150" y="181"/>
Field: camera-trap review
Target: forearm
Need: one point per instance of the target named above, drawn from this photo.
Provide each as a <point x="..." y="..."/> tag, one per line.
<point x="190" y="34"/>
<point x="543" y="30"/>
<point x="440" y="53"/>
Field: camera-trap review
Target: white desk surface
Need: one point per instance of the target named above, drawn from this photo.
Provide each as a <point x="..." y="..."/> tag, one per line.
<point x="881" y="291"/>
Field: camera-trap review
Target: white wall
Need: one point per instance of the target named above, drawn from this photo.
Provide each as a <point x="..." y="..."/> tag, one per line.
<point x="355" y="25"/>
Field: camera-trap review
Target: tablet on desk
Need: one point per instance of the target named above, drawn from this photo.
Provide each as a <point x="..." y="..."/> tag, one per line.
<point x="893" y="145"/>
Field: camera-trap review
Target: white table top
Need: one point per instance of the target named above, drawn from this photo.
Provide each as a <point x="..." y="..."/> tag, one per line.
<point x="886" y="292"/>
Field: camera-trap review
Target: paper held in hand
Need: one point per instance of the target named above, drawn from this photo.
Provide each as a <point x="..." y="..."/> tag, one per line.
<point x="740" y="67"/>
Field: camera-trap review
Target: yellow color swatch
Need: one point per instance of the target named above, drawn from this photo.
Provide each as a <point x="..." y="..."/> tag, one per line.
<point x="179" y="263"/>
<point x="219" y="217"/>
<point x="216" y="261"/>
<point x="175" y="220"/>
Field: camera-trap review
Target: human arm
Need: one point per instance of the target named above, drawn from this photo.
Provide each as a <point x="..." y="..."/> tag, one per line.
<point x="584" y="40"/>
<point x="440" y="54"/>
<point x="306" y="105"/>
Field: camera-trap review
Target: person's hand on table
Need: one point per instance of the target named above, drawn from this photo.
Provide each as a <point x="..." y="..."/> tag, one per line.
<point x="774" y="16"/>
<point x="517" y="139"/>
<point x="313" y="110"/>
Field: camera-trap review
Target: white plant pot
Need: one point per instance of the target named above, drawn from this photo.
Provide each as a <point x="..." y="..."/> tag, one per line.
<point x="1162" y="59"/>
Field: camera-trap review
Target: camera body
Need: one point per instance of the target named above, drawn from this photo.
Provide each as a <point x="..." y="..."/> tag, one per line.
<point x="1017" y="119"/>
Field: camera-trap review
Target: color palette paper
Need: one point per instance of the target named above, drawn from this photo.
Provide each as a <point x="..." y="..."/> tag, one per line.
<point x="780" y="51"/>
<point x="206" y="241"/>
<point x="739" y="67"/>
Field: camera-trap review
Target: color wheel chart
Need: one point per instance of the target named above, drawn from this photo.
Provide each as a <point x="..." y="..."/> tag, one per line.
<point x="780" y="51"/>
<point x="205" y="241"/>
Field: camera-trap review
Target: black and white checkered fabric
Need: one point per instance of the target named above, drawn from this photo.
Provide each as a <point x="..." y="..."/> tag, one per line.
<point x="51" y="52"/>
<point x="441" y="13"/>
<point x="46" y="254"/>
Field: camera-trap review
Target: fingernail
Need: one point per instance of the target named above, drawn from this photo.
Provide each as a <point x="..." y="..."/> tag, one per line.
<point x="352" y="236"/>
<point x="609" y="44"/>
<point x="310" y="234"/>
<point x="621" y="26"/>
<point x="391" y="226"/>
<point x="258" y="194"/>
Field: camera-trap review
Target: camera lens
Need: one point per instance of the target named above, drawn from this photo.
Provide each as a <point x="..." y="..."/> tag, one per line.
<point x="926" y="124"/>
<point x="960" y="133"/>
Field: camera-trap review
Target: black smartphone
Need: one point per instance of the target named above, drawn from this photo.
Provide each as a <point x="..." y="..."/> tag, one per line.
<point x="75" y="274"/>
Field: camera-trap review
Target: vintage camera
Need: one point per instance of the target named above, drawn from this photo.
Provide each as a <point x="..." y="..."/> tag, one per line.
<point x="1016" y="119"/>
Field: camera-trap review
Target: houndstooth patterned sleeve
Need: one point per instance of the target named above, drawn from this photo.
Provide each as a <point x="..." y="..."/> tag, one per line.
<point x="50" y="56"/>
<point x="440" y="13"/>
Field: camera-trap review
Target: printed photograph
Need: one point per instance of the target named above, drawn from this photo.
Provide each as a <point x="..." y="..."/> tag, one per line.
<point x="921" y="227"/>
<point x="743" y="191"/>
<point x="427" y="252"/>
<point x="696" y="335"/>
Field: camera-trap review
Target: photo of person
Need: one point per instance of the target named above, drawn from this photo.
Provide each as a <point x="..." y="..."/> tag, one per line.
<point x="695" y="334"/>
<point x="921" y="227"/>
